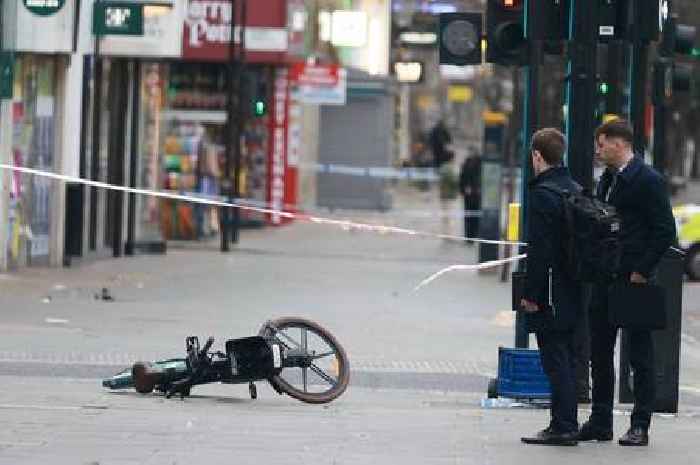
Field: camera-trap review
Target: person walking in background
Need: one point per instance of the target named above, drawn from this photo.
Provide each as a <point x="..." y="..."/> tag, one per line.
<point x="470" y="188"/>
<point x="640" y="197"/>
<point x="438" y="139"/>
<point x="449" y="186"/>
<point x="551" y="296"/>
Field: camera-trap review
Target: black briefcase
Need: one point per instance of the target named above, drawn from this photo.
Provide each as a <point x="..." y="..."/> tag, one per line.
<point x="637" y="306"/>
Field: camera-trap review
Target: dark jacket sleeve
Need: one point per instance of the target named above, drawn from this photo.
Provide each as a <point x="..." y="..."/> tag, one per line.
<point x="662" y="234"/>
<point x="540" y="248"/>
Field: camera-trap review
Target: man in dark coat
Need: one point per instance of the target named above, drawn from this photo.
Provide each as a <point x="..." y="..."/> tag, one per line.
<point x="438" y="139"/>
<point x="648" y="229"/>
<point x="551" y="298"/>
<point x="470" y="187"/>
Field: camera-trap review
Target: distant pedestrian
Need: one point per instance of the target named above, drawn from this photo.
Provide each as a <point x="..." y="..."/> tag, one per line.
<point x="449" y="187"/>
<point x="438" y="139"/>
<point x="470" y="188"/>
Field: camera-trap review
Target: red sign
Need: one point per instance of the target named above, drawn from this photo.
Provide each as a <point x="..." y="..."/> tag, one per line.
<point x="314" y="75"/>
<point x="207" y="30"/>
<point x="278" y="144"/>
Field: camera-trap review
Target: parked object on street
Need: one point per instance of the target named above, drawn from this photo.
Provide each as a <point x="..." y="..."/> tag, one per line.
<point x="296" y="356"/>
<point x="520" y="376"/>
<point x="688" y="226"/>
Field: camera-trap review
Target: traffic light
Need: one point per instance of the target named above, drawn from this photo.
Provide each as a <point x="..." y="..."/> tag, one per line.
<point x="459" y="38"/>
<point x="259" y="99"/>
<point x="677" y="39"/>
<point x="505" y="33"/>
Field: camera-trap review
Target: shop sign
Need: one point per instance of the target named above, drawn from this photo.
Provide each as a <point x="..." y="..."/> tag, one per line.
<point x="278" y="148"/>
<point x="314" y="75"/>
<point x="319" y="90"/>
<point x="44" y="7"/>
<point x="207" y="32"/>
<point x="460" y="94"/>
<point x="118" y="18"/>
<point x="7" y="66"/>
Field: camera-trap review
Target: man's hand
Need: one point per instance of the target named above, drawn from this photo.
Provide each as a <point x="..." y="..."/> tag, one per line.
<point x="529" y="307"/>
<point x="637" y="278"/>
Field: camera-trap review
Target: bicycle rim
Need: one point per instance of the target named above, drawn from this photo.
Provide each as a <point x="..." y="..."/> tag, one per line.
<point x="330" y="373"/>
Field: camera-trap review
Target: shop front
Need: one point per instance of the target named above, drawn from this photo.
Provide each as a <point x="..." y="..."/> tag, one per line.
<point x="31" y="226"/>
<point x="184" y="122"/>
<point x="34" y="107"/>
<point x="183" y="126"/>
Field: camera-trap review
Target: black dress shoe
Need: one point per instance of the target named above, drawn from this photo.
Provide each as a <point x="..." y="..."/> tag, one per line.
<point x="590" y="432"/>
<point x="635" y="436"/>
<point x="547" y="437"/>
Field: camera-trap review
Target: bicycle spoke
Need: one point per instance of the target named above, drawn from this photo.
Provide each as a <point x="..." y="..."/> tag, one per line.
<point x="323" y="354"/>
<point x="303" y="378"/>
<point x="323" y="375"/>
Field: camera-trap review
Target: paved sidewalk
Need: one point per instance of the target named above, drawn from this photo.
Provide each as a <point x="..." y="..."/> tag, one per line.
<point x="65" y="421"/>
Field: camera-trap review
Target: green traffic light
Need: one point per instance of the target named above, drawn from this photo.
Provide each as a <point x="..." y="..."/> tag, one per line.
<point x="695" y="52"/>
<point x="259" y="108"/>
<point x="604" y="88"/>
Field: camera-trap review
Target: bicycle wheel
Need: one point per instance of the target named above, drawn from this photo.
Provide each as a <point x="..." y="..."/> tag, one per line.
<point x="324" y="372"/>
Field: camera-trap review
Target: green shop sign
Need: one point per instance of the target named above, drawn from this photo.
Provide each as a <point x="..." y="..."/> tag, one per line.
<point x="118" y="18"/>
<point x="44" y="7"/>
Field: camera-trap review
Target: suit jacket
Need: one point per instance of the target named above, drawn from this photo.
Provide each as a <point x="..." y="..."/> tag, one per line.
<point x="648" y="228"/>
<point x="559" y="309"/>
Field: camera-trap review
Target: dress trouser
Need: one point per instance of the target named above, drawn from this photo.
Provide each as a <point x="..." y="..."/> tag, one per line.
<point x="582" y="347"/>
<point x="471" y="221"/>
<point x="603" y="337"/>
<point x="557" y="354"/>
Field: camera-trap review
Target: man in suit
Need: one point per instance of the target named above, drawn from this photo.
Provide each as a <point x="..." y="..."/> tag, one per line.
<point x="551" y="297"/>
<point x="648" y="229"/>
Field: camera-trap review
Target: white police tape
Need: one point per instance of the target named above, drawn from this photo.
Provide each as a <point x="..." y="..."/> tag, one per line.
<point x="381" y="172"/>
<point x="344" y="224"/>
<point x="480" y="266"/>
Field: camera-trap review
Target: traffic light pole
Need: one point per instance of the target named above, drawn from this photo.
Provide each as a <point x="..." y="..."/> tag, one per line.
<point x="581" y="90"/>
<point x="638" y="85"/>
<point x="225" y="213"/>
<point x="530" y="125"/>
<point x="240" y="124"/>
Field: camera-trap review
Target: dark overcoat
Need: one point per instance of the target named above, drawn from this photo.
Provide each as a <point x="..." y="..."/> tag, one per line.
<point x="547" y="281"/>
<point x="648" y="229"/>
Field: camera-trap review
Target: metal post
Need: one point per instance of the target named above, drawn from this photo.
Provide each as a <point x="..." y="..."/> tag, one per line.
<point x="530" y="124"/>
<point x="581" y="90"/>
<point x="96" y="130"/>
<point x="240" y="123"/>
<point x="133" y="155"/>
<point x="225" y="212"/>
<point x="616" y="55"/>
<point x="640" y="61"/>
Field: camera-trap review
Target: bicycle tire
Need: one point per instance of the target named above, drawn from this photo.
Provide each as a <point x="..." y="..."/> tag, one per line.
<point x="281" y="385"/>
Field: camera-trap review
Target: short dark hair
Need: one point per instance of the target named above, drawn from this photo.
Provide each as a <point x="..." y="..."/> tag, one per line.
<point x="551" y="144"/>
<point x="618" y="128"/>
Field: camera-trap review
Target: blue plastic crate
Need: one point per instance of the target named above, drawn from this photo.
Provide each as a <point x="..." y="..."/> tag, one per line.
<point x="520" y="374"/>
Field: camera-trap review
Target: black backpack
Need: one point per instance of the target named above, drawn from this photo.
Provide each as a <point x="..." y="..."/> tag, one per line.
<point x="592" y="248"/>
